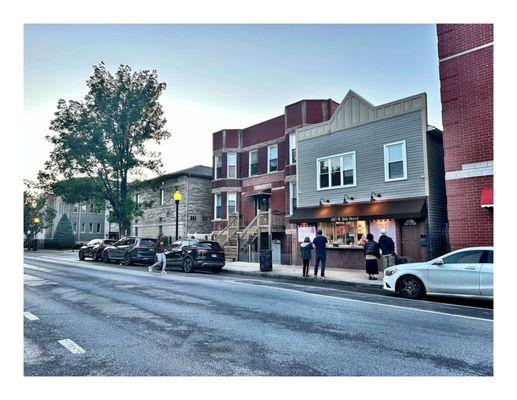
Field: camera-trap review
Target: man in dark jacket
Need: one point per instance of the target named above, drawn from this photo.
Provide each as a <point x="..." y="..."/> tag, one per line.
<point x="320" y="243"/>
<point x="387" y="247"/>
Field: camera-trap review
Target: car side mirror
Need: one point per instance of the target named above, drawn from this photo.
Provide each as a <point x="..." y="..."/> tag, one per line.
<point x="438" y="262"/>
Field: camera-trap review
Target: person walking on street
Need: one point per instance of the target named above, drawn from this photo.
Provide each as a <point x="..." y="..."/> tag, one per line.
<point x="320" y="243"/>
<point x="371" y="254"/>
<point x="159" y="248"/>
<point x="306" y="252"/>
<point x="387" y="247"/>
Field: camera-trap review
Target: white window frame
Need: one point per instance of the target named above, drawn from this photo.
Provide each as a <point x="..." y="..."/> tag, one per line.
<point x="217" y="196"/>
<point x="220" y="159"/>
<point x="249" y="162"/>
<point x="75" y="209"/>
<point x="83" y="227"/>
<point x="292" y="146"/>
<point x="137" y="198"/>
<point x="162" y="197"/>
<point x="230" y="165"/>
<point x="292" y="191"/>
<point x="386" y="161"/>
<point x="234" y="195"/>
<point x="83" y="208"/>
<point x="341" y="164"/>
<point x="271" y="146"/>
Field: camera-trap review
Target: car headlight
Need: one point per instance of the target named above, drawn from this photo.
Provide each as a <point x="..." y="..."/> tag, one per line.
<point x="390" y="271"/>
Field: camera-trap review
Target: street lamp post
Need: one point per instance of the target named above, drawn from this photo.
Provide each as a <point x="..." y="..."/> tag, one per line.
<point x="34" y="243"/>
<point x="177" y="199"/>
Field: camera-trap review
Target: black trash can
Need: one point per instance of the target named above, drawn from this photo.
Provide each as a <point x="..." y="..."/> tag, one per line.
<point x="266" y="260"/>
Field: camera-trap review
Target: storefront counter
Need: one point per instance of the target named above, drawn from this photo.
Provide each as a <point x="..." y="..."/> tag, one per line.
<point x="348" y="257"/>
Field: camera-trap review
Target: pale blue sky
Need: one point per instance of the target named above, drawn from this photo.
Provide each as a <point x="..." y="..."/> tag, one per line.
<point x="226" y="76"/>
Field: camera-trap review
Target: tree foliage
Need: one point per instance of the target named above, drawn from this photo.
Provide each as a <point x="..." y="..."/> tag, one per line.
<point x="35" y="206"/>
<point x="64" y="234"/>
<point x="103" y="138"/>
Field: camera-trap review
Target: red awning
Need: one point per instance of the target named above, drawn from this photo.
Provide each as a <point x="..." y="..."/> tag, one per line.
<point x="487" y="197"/>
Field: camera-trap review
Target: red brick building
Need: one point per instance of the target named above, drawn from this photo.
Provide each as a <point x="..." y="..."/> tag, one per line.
<point x="465" y="54"/>
<point x="255" y="172"/>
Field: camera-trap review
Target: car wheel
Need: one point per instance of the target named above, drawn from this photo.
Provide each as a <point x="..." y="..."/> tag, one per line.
<point x="410" y="287"/>
<point x="127" y="259"/>
<point x="105" y="257"/>
<point x="188" y="265"/>
<point x="81" y="256"/>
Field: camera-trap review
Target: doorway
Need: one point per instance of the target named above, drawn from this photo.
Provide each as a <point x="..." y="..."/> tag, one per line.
<point x="410" y="243"/>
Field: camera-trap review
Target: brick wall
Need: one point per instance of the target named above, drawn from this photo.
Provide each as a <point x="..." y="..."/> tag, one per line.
<point x="467" y="113"/>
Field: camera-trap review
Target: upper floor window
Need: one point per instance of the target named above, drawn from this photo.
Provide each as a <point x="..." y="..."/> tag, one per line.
<point x="336" y="171"/>
<point x="253" y="166"/>
<point x="232" y="203"/>
<point x="395" y="164"/>
<point x="98" y="228"/>
<point x="272" y="158"/>
<point x="162" y="197"/>
<point x="232" y="165"/>
<point x="91" y="227"/>
<point x="292" y="148"/>
<point x="76" y="207"/>
<point x="293" y="198"/>
<point x="218" y="163"/>
<point x="137" y="198"/>
<point x="92" y="208"/>
<point x="83" y="208"/>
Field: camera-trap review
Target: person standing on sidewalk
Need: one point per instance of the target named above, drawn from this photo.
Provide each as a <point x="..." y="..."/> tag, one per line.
<point x="371" y="254"/>
<point x="306" y="252"/>
<point x="320" y="243"/>
<point x="387" y="247"/>
<point x="159" y="248"/>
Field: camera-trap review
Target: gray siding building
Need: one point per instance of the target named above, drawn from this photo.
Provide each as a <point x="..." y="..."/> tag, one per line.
<point x="372" y="167"/>
<point x="87" y="222"/>
<point x="194" y="210"/>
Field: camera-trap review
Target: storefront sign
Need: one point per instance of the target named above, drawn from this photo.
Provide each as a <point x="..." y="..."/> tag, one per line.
<point x="343" y="219"/>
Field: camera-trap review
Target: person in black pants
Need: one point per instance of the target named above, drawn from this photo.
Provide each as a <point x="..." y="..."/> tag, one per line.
<point x="306" y="251"/>
<point x="320" y="243"/>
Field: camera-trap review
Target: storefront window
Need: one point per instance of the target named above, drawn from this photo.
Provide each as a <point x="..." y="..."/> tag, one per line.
<point x="350" y="233"/>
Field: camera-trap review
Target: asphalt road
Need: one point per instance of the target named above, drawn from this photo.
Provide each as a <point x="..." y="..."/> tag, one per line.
<point x="91" y="319"/>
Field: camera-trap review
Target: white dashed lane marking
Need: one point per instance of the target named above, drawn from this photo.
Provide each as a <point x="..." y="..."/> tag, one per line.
<point x="71" y="346"/>
<point x="30" y="316"/>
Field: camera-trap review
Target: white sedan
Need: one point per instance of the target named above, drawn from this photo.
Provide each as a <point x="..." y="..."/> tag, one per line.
<point x="465" y="273"/>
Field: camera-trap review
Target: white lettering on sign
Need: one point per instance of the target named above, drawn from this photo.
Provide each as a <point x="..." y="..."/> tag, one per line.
<point x="343" y="219"/>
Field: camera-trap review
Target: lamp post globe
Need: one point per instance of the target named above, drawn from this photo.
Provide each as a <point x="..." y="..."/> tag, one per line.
<point x="177" y="199"/>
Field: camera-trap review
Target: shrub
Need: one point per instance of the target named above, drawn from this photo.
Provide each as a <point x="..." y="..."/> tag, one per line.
<point x="64" y="235"/>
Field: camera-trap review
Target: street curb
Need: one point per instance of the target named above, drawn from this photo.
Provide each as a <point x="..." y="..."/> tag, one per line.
<point x="299" y="278"/>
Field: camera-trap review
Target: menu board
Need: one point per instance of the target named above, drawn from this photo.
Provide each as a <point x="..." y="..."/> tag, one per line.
<point x="306" y="231"/>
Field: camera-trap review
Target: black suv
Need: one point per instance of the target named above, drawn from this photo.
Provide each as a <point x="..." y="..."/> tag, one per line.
<point x="191" y="254"/>
<point x="94" y="248"/>
<point x="131" y="250"/>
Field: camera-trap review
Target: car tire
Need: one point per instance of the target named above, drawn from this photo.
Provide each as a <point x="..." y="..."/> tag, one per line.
<point x="188" y="265"/>
<point x="127" y="260"/>
<point x="410" y="287"/>
<point x="106" y="257"/>
<point x="81" y="256"/>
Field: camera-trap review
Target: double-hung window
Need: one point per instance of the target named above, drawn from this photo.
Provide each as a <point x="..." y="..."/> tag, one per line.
<point x="232" y="203"/>
<point x="217" y="206"/>
<point x="395" y="164"/>
<point x="232" y="165"/>
<point x="253" y="162"/>
<point x="336" y="171"/>
<point x="218" y="164"/>
<point x="272" y="158"/>
<point x="292" y="148"/>
<point x="293" y="201"/>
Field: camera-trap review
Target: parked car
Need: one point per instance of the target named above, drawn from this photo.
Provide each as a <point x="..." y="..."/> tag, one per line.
<point x="465" y="273"/>
<point x="93" y="249"/>
<point x="194" y="254"/>
<point x="131" y="250"/>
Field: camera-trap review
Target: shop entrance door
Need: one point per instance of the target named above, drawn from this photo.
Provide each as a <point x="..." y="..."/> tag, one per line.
<point x="411" y="240"/>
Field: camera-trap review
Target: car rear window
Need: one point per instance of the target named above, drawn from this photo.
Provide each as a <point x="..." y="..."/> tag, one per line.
<point x="209" y="245"/>
<point x="147" y="242"/>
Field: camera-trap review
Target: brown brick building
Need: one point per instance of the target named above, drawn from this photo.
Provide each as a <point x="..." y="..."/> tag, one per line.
<point x="465" y="54"/>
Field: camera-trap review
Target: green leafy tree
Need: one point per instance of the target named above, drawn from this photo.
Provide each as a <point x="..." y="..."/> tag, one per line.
<point x="37" y="215"/>
<point x="64" y="234"/>
<point x="103" y="139"/>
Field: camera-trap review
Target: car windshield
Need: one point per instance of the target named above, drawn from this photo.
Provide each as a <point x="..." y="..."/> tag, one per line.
<point x="147" y="242"/>
<point x="209" y="245"/>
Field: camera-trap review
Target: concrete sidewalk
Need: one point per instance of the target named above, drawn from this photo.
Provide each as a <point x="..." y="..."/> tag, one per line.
<point x="332" y="275"/>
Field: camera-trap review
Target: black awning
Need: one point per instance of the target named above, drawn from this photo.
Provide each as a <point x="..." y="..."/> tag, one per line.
<point x="379" y="209"/>
<point x="260" y="192"/>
